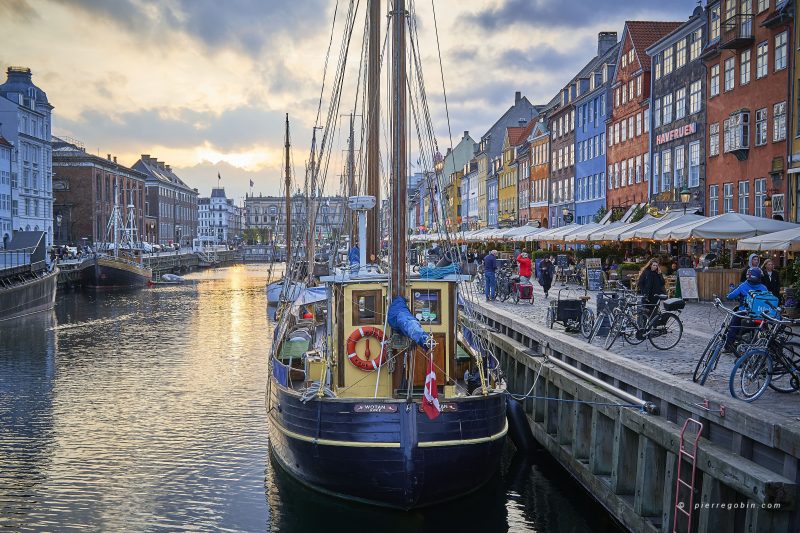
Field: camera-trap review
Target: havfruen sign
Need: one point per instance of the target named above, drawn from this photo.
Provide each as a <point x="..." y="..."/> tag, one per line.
<point x="676" y="133"/>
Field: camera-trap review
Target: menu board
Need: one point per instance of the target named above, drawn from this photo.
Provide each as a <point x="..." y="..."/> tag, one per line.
<point x="594" y="274"/>
<point x="687" y="278"/>
<point x="562" y="261"/>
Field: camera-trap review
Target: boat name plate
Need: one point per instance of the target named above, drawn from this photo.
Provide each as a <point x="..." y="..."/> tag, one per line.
<point x="374" y="408"/>
<point x="443" y="407"/>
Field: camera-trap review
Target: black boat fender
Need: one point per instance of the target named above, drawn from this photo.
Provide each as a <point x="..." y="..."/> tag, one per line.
<point x="519" y="430"/>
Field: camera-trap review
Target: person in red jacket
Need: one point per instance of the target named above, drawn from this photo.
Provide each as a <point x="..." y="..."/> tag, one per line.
<point x="525" y="270"/>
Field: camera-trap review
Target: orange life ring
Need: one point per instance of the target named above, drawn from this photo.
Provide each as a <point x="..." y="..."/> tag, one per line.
<point x="367" y="364"/>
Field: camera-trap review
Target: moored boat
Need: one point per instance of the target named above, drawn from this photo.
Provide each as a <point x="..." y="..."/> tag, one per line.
<point x="383" y="392"/>
<point x="109" y="272"/>
<point x="27" y="283"/>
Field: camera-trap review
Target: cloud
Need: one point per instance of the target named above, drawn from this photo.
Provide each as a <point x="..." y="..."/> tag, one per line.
<point x="18" y="10"/>
<point x="574" y="14"/>
<point x="250" y="26"/>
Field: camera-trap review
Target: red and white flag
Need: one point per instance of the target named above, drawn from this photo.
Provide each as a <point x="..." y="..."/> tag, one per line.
<point x="430" y="400"/>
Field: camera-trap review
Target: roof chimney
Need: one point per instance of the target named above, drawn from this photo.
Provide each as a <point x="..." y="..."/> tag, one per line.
<point x="517" y="97"/>
<point x="169" y="168"/>
<point x="605" y="41"/>
<point x="108" y="156"/>
<point x="466" y="133"/>
<point x="115" y="159"/>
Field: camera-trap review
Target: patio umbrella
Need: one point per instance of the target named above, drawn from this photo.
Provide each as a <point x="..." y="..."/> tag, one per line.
<point x="555" y="234"/>
<point x="725" y="226"/>
<point x="615" y="233"/>
<point x="668" y="221"/>
<point x="520" y="233"/>
<point x="787" y="240"/>
<point x="582" y="235"/>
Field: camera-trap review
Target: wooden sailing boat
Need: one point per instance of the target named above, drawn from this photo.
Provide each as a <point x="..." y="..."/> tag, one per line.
<point x="119" y="263"/>
<point x="366" y="399"/>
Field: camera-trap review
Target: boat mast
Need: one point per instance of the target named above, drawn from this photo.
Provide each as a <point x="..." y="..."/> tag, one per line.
<point x="116" y="219"/>
<point x="373" y="131"/>
<point x="288" y="185"/>
<point x="399" y="168"/>
<point x="312" y="207"/>
<point x="352" y="226"/>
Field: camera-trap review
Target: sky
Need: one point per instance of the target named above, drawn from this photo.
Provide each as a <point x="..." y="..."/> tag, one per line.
<point x="204" y="85"/>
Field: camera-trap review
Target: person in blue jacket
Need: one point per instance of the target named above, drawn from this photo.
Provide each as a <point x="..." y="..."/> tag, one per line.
<point x="489" y="271"/>
<point x="751" y="283"/>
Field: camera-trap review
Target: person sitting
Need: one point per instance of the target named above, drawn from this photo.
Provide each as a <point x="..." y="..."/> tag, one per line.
<point x="525" y="268"/>
<point x="751" y="283"/>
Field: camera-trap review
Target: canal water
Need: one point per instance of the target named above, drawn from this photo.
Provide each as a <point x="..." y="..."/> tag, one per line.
<point x="144" y="411"/>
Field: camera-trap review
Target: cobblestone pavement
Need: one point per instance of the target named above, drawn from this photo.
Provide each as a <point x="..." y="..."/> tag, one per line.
<point x="700" y="321"/>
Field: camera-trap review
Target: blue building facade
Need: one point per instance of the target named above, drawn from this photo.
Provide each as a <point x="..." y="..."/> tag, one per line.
<point x="590" y="139"/>
<point x="492" y="193"/>
<point x="464" y="192"/>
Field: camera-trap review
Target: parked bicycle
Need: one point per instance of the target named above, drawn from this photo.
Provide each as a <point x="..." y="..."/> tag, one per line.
<point x="710" y="356"/>
<point x="504" y="283"/>
<point x="772" y="363"/>
<point x="636" y="322"/>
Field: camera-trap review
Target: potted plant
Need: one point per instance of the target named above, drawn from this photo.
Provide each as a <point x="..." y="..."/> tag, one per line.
<point x="790" y="279"/>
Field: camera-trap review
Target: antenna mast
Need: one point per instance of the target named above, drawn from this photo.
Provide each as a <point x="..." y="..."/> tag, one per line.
<point x="288" y="185"/>
<point x="373" y="131"/>
<point x="399" y="164"/>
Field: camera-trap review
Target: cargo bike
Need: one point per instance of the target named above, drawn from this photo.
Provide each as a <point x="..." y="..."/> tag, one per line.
<point x="570" y="311"/>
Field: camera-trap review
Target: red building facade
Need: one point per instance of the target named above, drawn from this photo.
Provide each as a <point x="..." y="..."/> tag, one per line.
<point x="747" y="69"/>
<point x="627" y="129"/>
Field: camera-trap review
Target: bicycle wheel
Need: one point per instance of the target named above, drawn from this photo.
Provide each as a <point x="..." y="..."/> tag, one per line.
<point x="515" y="295"/>
<point x="751" y="375"/>
<point x="707" y="359"/>
<point x="587" y="322"/>
<point x="617" y="325"/>
<point x="480" y="283"/>
<point x="666" y="332"/>
<point x="504" y="291"/>
<point x="781" y="380"/>
<point x="551" y="317"/>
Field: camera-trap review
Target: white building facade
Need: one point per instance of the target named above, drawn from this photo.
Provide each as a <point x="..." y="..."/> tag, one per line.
<point x="219" y="219"/>
<point x="25" y="122"/>
<point x="6" y="223"/>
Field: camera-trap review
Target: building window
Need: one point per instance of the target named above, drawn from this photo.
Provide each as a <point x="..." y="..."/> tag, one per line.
<point x="680" y="54"/>
<point x="624" y="175"/>
<point x="638" y="124"/>
<point x="697" y="42"/>
<point x="715" y="80"/>
<point x="630" y="171"/>
<point x="762" y="53"/>
<point x="729" y="65"/>
<point x="730" y="9"/>
<point x="659" y="61"/>
<point x="667" y="109"/>
<point x="779" y="122"/>
<point x="680" y="103"/>
<point x="760" y="194"/>
<point x="647" y="120"/>
<point x="736" y="131"/>
<point x="623" y="131"/>
<point x="714" y="32"/>
<point x="680" y="166"/>
<point x="666" y="170"/>
<point x="744" y="68"/>
<point x="695" y="100"/>
<point x="780" y="51"/>
<point x="639" y="85"/>
<point x="713" y="200"/>
<point x="657" y="112"/>
<point x="727" y="200"/>
<point x="638" y="169"/>
<point x="744" y="196"/>
<point x="656" y="171"/>
<point x="761" y="127"/>
<point x="694" y="164"/>
<point x="762" y="5"/>
<point x="667" y="61"/>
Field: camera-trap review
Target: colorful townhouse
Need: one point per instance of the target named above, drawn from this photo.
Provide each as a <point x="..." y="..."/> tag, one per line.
<point x="792" y="207"/>
<point x="539" y="140"/>
<point x="747" y="65"/>
<point x="678" y="117"/>
<point x="590" y="133"/>
<point x="488" y="158"/>
<point x="509" y="186"/>
<point x="628" y="127"/>
<point x="522" y="162"/>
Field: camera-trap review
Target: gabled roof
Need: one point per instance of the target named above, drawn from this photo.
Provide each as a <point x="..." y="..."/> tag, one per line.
<point x="4" y="142"/>
<point x="643" y="34"/>
<point x="517" y="134"/>
<point x="522" y="108"/>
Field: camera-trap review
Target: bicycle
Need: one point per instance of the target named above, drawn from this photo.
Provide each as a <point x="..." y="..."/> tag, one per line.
<point x="663" y="329"/>
<point x="605" y="314"/>
<point x="756" y="369"/>
<point x="710" y="356"/>
<point x="503" y="284"/>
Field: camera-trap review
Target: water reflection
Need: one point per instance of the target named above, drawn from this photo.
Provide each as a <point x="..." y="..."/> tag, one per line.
<point x="145" y="410"/>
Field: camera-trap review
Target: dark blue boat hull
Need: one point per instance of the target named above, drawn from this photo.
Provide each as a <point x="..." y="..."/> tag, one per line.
<point x="396" y="458"/>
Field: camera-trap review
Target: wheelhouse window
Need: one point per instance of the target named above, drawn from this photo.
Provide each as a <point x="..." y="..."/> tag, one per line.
<point x="367" y="307"/>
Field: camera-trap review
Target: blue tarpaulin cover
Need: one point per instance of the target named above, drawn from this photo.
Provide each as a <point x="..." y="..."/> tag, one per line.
<point x="401" y="319"/>
<point x="438" y="272"/>
<point x="354" y="255"/>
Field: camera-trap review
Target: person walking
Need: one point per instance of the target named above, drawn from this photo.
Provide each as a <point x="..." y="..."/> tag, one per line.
<point x="546" y="272"/>
<point x="525" y="269"/>
<point x="489" y="273"/>
<point x="769" y="278"/>
<point x="651" y="284"/>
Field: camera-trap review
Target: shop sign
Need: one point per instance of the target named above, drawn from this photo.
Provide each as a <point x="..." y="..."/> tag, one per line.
<point x="676" y="133"/>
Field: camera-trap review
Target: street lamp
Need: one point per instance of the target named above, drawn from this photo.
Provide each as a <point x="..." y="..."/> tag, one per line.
<point x="59" y="218"/>
<point x="686" y="195"/>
